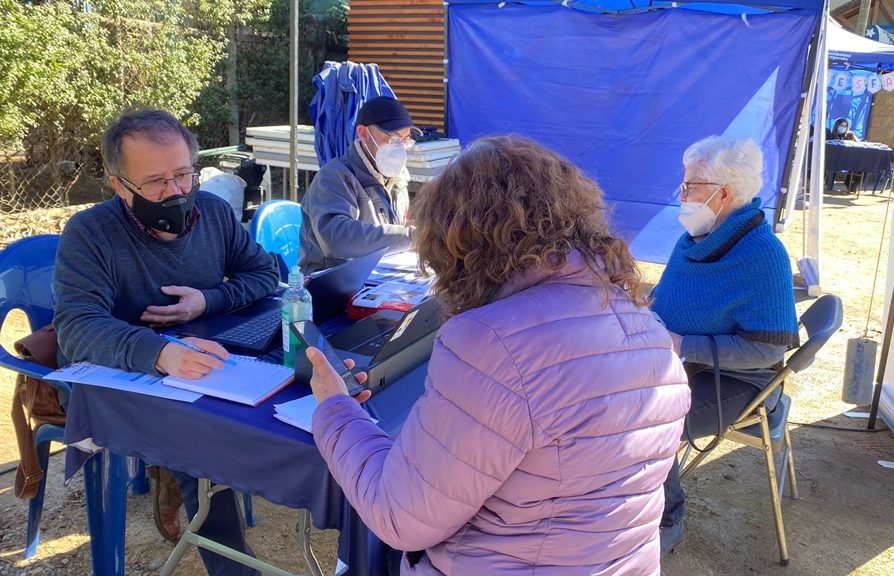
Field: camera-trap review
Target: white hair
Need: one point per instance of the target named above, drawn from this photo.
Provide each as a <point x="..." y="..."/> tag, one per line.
<point x="737" y="163"/>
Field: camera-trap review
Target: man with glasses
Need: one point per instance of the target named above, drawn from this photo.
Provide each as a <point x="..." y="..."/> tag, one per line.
<point x="160" y="252"/>
<point x="358" y="203"/>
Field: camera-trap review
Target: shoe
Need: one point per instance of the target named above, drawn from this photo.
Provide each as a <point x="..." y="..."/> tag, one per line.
<point x="166" y="508"/>
<point x="670" y="536"/>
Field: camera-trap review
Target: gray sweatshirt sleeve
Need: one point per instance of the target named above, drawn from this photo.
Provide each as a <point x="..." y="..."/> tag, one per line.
<point x="84" y="289"/>
<point x="250" y="270"/>
<point x="334" y="215"/>
<point x="733" y="352"/>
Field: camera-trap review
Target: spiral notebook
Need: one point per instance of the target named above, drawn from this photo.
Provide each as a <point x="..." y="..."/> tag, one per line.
<point x="246" y="381"/>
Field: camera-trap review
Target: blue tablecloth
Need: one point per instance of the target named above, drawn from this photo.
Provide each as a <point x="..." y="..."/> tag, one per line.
<point x="243" y="447"/>
<point x="858" y="157"/>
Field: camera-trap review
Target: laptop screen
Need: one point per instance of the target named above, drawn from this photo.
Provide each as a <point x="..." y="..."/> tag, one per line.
<point x="332" y="288"/>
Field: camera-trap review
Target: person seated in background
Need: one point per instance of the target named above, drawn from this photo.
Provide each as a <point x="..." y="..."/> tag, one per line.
<point x="358" y="203"/>
<point x="553" y="402"/>
<point x="160" y="252"/>
<point x="729" y="280"/>
<point x="840" y="131"/>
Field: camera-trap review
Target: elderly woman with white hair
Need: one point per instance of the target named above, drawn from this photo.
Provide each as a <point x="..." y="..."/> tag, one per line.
<point x="727" y="288"/>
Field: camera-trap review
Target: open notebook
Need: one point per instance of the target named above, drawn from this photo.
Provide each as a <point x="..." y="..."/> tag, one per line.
<point x="247" y="380"/>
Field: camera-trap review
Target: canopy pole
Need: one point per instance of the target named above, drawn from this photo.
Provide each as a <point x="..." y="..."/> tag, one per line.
<point x="797" y="154"/>
<point x="810" y="265"/>
<point x="293" y="99"/>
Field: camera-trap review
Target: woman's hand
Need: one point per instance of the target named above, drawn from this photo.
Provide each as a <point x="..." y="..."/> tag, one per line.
<point x="326" y="382"/>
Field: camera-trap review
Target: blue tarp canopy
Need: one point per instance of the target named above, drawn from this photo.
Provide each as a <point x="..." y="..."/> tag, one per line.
<point x="608" y="6"/>
<point x="623" y="94"/>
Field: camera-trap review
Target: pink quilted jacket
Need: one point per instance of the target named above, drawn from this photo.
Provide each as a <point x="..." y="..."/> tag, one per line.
<point x="540" y="445"/>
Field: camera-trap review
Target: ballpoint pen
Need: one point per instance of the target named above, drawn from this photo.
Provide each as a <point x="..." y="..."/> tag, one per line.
<point x="175" y="340"/>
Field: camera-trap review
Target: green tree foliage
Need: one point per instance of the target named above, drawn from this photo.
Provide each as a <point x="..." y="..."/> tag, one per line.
<point x="262" y="46"/>
<point x="68" y="71"/>
<point x="68" y="67"/>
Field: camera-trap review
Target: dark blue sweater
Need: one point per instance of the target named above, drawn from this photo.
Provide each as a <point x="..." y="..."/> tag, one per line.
<point x="108" y="271"/>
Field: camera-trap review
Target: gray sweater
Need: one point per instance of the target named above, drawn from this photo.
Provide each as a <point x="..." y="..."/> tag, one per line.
<point x="108" y="271"/>
<point x="344" y="214"/>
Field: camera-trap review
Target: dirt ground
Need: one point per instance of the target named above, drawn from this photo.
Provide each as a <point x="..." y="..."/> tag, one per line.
<point x="841" y="525"/>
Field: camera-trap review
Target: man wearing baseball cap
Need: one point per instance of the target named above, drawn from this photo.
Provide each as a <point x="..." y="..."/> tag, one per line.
<point x="358" y="203"/>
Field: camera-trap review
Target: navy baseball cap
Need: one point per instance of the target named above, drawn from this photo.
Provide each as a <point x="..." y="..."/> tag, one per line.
<point x="386" y="113"/>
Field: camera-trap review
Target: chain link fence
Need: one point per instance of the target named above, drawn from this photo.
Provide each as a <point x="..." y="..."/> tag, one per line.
<point x="42" y="185"/>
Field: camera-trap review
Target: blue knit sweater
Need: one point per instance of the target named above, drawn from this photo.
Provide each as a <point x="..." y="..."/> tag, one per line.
<point x="736" y="281"/>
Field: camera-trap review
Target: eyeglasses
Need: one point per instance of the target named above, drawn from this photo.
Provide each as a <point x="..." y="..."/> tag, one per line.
<point x="155" y="189"/>
<point x="686" y="187"/>
<point x="397" y="140"/>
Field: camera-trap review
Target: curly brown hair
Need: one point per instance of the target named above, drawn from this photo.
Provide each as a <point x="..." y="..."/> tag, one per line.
<point x="506" y="205"/>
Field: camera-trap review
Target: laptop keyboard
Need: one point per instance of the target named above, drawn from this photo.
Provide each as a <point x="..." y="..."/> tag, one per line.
<point x="253" y="334"/>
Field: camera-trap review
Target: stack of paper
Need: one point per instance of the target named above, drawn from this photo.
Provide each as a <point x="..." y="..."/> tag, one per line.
<point x="298" y="413"/>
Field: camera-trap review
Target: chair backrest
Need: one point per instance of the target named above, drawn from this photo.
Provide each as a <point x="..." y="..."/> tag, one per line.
<point x="26" y="278"/>
<point x="277" y="227"/>
<point x="822" y="319"/>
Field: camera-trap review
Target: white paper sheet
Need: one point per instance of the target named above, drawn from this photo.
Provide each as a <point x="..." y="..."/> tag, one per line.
<point x="94" y="375"/>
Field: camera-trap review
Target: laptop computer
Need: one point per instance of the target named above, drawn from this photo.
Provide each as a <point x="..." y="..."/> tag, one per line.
<point x="332" y="288"/>
<point x="251" y="328"/>
<point x="388" y="344"/>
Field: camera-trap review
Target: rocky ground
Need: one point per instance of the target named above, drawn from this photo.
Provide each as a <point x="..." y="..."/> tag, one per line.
<point x="841" y="525"/>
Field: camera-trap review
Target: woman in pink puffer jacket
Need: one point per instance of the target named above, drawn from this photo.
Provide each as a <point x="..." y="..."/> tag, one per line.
<point x="554" y="401"/>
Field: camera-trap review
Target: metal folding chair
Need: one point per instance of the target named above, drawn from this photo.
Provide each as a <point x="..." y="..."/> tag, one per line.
<point x="769" y="431"/>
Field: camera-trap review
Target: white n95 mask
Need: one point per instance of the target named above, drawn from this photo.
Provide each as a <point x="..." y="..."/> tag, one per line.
<point x="697" y="217"/>
<point x="391" y="159"/>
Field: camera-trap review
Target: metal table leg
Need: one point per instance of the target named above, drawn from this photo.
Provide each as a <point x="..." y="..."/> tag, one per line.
<point x="303" y="530"/>
<point x="191" y="538"/>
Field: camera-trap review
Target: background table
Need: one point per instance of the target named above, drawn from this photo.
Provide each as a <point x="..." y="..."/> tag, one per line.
<point x="858" y="157"/>
<point x="240" y="446"/>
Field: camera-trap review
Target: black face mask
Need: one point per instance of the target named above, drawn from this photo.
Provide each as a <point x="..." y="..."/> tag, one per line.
<point x="172" y="214"/>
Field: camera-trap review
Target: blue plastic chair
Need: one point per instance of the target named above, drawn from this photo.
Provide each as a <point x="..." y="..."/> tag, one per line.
<point x="26" y="283"/>
<point x="276" y="226"/>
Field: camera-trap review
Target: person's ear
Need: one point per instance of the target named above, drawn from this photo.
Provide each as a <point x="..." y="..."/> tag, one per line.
<point x="118" y="187"/>
<point x="727" y="195"/>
